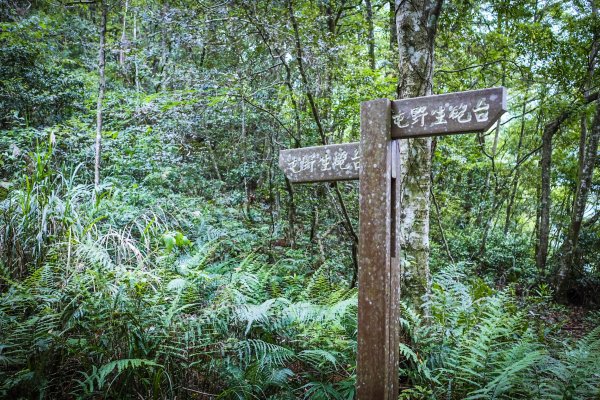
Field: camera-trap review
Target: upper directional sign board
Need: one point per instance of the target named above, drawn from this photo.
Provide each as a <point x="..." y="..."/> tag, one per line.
<point x="445" y="114"/>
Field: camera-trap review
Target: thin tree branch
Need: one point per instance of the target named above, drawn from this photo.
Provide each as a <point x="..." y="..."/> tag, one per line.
<point x="84" y="2"/>
<point x="309" y="95"/>
<point x="345" y="213"/>
<point x="270" y="113"/>
<point x="439" y="222"/>
<point x="592" y="220"/>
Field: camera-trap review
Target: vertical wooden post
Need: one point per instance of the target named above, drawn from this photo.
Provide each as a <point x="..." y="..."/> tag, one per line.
<point x="395" y="260"/>
<point x="377" y="358"/>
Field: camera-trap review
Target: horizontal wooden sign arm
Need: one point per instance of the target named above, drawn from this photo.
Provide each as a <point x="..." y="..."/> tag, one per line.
<point x="336" y="162"/>
<point x="448" y="114"/>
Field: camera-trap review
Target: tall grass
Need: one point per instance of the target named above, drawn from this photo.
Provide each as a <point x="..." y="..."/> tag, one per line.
<point x="93" y="306"/>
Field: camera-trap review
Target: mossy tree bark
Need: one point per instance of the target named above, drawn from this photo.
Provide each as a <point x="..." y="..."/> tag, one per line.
<point x="567" y="271"/>
<point x="416" y="26"/>
<point x="101" y="89"/>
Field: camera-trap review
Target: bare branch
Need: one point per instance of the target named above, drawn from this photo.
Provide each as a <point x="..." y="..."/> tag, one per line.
<point x="81" y="2"/>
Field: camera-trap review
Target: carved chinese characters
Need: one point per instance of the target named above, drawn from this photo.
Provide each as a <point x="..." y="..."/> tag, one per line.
<point x="473" y="111"/>
<point x="321" y="163"/>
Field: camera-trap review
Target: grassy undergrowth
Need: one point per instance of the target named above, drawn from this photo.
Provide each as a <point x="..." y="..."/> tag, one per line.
<point x="107" y="295"/>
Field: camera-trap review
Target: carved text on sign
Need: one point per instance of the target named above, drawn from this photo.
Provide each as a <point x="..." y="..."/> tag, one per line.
<point x="321" y="163"/>
<point x="472" y="111"/>
<point x="459" y="113"/>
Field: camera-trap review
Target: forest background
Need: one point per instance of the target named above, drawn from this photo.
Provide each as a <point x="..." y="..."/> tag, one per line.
<point x="150" y="247"/>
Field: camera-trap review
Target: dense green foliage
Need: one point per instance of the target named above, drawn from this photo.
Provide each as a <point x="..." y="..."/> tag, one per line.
<point x="191" y="272"/>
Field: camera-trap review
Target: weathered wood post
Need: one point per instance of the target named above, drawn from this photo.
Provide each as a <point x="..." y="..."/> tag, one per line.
<point x="378" y="270"/>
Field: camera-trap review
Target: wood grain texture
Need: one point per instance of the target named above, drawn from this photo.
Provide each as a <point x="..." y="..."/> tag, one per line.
<point x="377" y="355"/>
<point x="336" y="162"/>
<point x="446" y="114"/>
<point x="395" y="271"/>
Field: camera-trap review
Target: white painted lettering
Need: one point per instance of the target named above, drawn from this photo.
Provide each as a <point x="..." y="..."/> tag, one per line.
<point x="440" y="116"/>
<point x="417" y="114"/>
<point x="400" y="120"/>
<point x="481" y="110"/>
<point x="460" y="113"/>
<point x="339" y="159"/>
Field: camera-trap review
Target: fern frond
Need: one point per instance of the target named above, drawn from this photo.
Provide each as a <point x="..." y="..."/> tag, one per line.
<point x="318" y="358"/>
<point x="264" y="354"/>
<point x="119" y="365"/>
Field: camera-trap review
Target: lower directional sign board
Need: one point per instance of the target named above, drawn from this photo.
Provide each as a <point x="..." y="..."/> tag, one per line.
<point x="336" y="162"/>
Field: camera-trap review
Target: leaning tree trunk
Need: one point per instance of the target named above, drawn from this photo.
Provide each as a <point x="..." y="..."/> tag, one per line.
<point x="392" y="24"/>
<point x="101" y="89"/>
<point x="371" y="33"/>
<point x="125" y="44"/>
<point x="566" y="268"/>
<point x="543" y="233"/>
<point x="416" y="25"/>
<point x="588" y="152"/>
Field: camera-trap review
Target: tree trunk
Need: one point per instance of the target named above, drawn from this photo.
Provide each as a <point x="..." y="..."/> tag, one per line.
<point x="566" y="271"/>
<point x="371" y="37"/>
<point x="137" y="72"/>
<point x="515" y="181"/>
<point x="489" y="196"/>
<point x="544" y="224"/>
<point x="164" y="47"/>
<point x="392" y="23"/>
<point x="543" y="232"/>
<point x="291" y="214"/>
<point x="124" y="45"/>
<point x="244" y="148"/>
<point x="416" y="25"/>
<point x="101" y="89"/>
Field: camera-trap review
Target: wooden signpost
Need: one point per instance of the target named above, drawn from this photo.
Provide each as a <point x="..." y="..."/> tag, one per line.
<point x="375" y="161"/>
